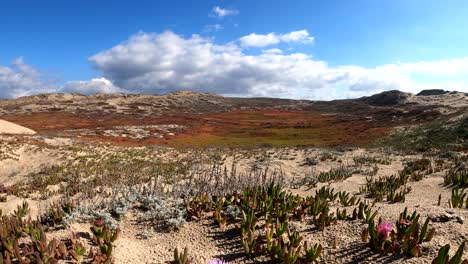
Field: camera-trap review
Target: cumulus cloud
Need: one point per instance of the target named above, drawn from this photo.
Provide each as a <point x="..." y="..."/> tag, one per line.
<point x="263" y="40"/>
<point x="222" y="12"/>
<point x="95" y="85"/>
<point x="258" y="40"/>
<point x="22" y="79"/>
<point x="166" y="62"/>
<point x="300" y="35"/>
<point x="159" y="63"/>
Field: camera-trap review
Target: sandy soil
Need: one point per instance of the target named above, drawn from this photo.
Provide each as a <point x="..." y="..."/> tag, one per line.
<point x="144" y="244"/>
<point x="21" y="155"/>
<point x="448" y="103"/>
<point x="12" y="128"/>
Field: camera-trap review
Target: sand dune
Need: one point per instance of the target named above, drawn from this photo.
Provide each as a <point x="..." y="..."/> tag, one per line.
<point x="12" y="128"/>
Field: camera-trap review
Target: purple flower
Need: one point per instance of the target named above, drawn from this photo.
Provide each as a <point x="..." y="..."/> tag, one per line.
<point x="384" y="229"/>
<point x="217" y="261"/>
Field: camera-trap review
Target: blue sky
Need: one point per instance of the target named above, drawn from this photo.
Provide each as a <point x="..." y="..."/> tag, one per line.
<point x="353" y="42"/>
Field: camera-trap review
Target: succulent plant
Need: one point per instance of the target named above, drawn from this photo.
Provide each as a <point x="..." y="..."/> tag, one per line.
<point x="416" y="169"/>
<point x="249" y="242"/>
<point x="444" y="258"/>
<point x="286" y="251"/>
<point x="326" y="193"/>
<point x="346" y="200"/>
<point x="218" y="214"/>
<point x="62" y="250"/>
<point x="406" y="237"/>
<point x="341" y="215"/>
<point x="335" y="175"/>
<point x="57" y="213"/>
<point x="77" y="250"/>
<point x="313" y="253"/>
<point x="22" y="210"/>
<point x="457" y="200"/>
<point x="181" y="258"/>
<point x="324" y="219"/>
<point x="396" y="197"/>
<point x="383" y="186"/>
<point x="103" y="234"/>
<point x="363" y="212"/>
<point x="366" y="159"/>
<point x="456" y="178"/>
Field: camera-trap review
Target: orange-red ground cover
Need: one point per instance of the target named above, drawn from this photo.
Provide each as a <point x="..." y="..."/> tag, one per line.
<point x="234" y="128"/>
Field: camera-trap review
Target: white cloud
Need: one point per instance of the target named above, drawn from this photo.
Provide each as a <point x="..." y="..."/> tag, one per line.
<point x="448" y="67"/>
<point x="213" y="28"/>
<point x="258" y="40"/>
<point x="95" y="85"/>
<point x="160" y="63"/>
<point x="300" y="35"/>
<point x="263" y="40"/>
<point x="222" y="12"/>
<point x="22" y="79"/>
<point x="272" y="51"/>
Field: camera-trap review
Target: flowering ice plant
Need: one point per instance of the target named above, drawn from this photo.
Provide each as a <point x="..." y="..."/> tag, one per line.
<point x="384" y="229"/>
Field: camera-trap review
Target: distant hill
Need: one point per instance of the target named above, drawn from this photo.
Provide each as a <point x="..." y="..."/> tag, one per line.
<point x="388" y="98"/>
<point x="201" y="119"/>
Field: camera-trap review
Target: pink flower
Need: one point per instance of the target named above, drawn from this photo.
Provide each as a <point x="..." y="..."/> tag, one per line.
<point x="384" y="229"/>
<point x="217" y="261"/>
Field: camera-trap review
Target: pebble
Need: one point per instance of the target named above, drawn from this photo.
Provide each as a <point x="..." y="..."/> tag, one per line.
<point x="441" y="217"/>
<point x="446" y="217"/>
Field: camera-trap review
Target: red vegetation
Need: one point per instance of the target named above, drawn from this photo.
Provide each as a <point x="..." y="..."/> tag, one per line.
<point x="234" y="128"/>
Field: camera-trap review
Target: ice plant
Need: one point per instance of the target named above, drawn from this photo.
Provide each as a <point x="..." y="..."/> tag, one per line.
<point x="181" y="258"/>
<point x="444" y="258"/>
<point x="99" y="222"/>
<point x="384" y="229"/>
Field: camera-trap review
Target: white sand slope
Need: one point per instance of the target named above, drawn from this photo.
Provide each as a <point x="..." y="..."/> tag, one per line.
<point x="12" y="128"/>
